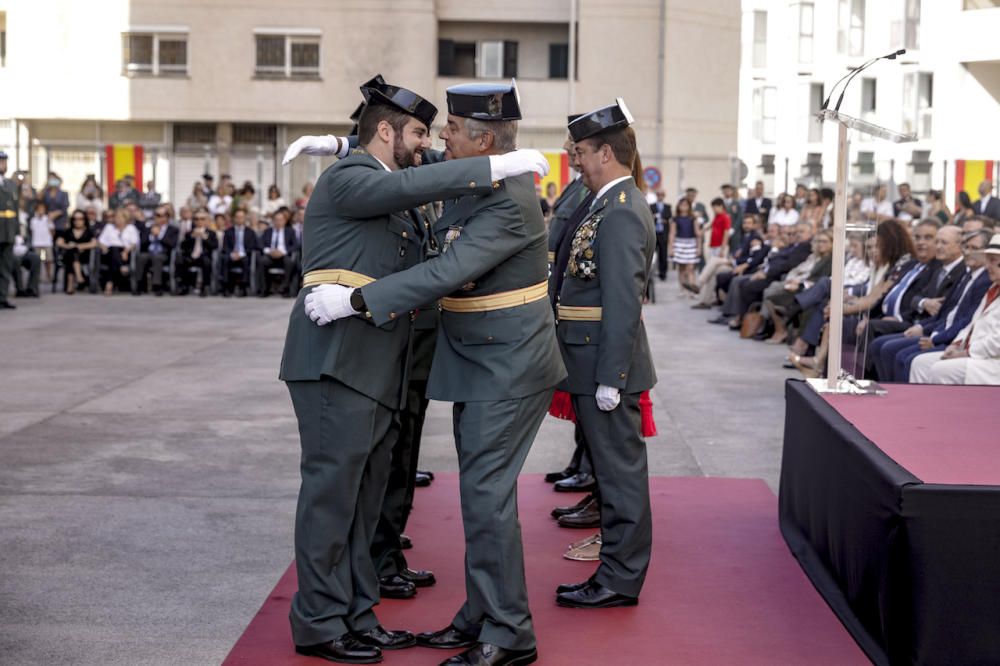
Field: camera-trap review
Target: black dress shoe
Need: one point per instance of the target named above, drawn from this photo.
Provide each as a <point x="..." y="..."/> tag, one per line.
<point x="384" y="639"/>
<point x="419" y="577"/>
<point x="448" y="638"/>
<point x="564" y="510"/>
<point x="587" y="517"/>
<point x="721" y="319"/>
<point x="343" y="650"/>
<point x="422" y="479"/>
<point x="21" y="293"/>
<point x="578" y="483"/>
<point x="552" y="477"/>
<point x="7" y="305"/>
<point x="396" y="587"/>
<point x="429" y="475"/>
<point x="404" y="542"/>
<point x="487" y="654"/>
<point x="573" y="587"/>
<point x="594" y="595"/>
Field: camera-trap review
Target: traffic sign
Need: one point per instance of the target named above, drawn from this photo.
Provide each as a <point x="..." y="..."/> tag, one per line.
<point x="652" y="176"/>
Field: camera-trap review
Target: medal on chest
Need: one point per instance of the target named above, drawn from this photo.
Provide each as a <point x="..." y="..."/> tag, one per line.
<point x="582" y="260"/>
<point x="450" y="237"/>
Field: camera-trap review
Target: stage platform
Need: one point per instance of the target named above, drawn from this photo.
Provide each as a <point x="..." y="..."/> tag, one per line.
<point x="722" y="587"/>
<point x="892" y="506"/>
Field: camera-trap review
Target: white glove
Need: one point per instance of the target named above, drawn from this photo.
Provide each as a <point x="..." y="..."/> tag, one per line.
<point x="517" y="162"/>
<point x="316" y="145"/>
<point x="329" y="302"/>
<point x="607" y="397"/>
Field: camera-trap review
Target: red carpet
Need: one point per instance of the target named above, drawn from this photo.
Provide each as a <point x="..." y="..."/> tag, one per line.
<point x="722" y="587"/>
<point x="940" y="434"/>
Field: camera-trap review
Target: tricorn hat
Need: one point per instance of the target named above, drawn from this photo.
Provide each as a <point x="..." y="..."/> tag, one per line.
<point x="485" y="101"/>
<point x="616" y="116"/>
<point x="377" y="91"/>
<point x="355" y="117"/>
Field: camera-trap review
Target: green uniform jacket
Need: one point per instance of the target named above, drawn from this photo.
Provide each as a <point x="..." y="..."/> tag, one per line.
<point x="8" y="204"/>
<point x="609" y="268"/>
<point x="571" y="197"/>
<point x="490" y="244"/>
<point x="352" y="223"/>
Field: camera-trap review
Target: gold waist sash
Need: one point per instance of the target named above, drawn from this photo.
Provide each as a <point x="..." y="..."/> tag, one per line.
<point x="8" y="213"/>
<point x="504" y="299"/>
<point x="579" y="313"/>
<point x="336" y="276"/>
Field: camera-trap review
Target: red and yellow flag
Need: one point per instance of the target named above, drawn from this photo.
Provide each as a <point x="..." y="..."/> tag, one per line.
<point x="558" y="171"/>
<point x="968" y="175"/>
<point x="122" y="159"/>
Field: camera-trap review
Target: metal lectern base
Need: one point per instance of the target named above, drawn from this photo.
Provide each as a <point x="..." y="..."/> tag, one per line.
<point x="848" y="385"/>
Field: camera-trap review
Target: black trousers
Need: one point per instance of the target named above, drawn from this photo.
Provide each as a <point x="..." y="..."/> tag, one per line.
<point x="203" y="264"/>
<point x="662" y="258"/>
<point x="387" y="553"/>
<point x="265" y="262"/>
<point x="235" y="279"/>
<point x="113" y="260"/>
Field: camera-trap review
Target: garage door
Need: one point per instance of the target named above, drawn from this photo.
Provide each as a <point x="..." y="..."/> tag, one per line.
<point x="187" y="170"/>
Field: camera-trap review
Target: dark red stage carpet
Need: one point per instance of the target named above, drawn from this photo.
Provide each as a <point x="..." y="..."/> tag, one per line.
<point x="722" y="588"/>
<point x="940" y="434"/>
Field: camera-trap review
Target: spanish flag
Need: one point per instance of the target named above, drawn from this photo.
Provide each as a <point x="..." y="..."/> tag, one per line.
<point x="968" y="175"/>
<point x="122" y="159"/>
<point x="558" y="171"/>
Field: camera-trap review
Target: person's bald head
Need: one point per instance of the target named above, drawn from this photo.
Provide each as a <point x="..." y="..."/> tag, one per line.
<point x="948" y="244"/>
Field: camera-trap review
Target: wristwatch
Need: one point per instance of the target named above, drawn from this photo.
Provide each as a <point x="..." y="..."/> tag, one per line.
<point x="358" y="301"/>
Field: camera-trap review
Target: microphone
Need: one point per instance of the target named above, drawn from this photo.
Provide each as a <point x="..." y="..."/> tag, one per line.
<point x="858" y="70"/>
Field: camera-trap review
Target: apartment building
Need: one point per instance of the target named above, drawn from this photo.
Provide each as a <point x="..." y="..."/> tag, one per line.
<point x="223" y="86"/>
<point x="945" y="89"/>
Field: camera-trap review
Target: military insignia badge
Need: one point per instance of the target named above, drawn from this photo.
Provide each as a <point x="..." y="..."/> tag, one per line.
<point x="621" y="197"/>
<point x="450" y="237"/>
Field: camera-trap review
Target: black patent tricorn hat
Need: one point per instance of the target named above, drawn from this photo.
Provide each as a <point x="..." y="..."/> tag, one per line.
<point x="377" y="91"/>
<point x="616" y="116"/>
<point x="485" y="101"/>
<point x="354" y="119"/>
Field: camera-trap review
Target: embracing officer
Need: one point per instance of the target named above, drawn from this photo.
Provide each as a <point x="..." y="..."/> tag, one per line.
<point x="496" y="359"/>
<point x="346" y="379"/>
<point x="603" y="343"/>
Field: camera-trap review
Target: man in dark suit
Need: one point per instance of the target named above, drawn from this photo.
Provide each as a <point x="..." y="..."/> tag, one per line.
<point x="987" y="204"/>
<point x="923" y="289"/>
<point x="661" y="221"/>
<point x="9" y="195"/>
<point x="758" y="204"/>
<point x="159" y="242"/>
<point x="239" y="242"/>
<point x="746" y="290"/>
<point x="138" y="220"/>
<point x="279" y="249"/>
<point x="196" y="251"/>
<point x="894" y="353"/>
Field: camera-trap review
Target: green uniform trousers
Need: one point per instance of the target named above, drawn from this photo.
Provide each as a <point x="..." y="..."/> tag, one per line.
<point x="7" y="268"/>
<point x="618" y="453"/>
<point x="347" y="441"/>
<point x="387" y="553"/>
<point x="493" y="439"/>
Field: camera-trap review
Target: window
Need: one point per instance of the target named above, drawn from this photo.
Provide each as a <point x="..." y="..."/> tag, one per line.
<point x="157" y="53"/>
<point x="491" y="59"/>
<point x="806" y="32"/>
<point x="865" y="166"/>
<point x="815" y="131"/>
<point x="759" y="57"/>
<point x="3" y="39"/>
<point x="764" y="111"/>
<point x="918" y="102"/>
<point x="558" y="61"/>
<point x="911" y="32"/>
<point x="851" y="27"/>
<point x="867" y="95"/>
<point x="287" y="54"/>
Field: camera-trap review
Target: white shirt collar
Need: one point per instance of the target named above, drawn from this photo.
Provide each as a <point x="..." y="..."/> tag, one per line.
<point x="604" y="190"/>
<point x="951" y="266"/>
<point x="384" y="166"/>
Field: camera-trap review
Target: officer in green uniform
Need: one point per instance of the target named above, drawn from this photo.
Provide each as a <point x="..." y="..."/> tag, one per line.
<point x="603" y="343"/>
<point x="346" y="379"/>
<point x="8" y="231"/>
<point x="496" y="359"/>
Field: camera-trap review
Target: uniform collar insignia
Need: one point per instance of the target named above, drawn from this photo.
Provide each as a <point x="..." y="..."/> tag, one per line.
<point x="621" y="197"/>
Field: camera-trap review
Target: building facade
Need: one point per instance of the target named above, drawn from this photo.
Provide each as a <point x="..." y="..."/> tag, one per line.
<point x="222" y="86"/>
<point x="945" y="89"/>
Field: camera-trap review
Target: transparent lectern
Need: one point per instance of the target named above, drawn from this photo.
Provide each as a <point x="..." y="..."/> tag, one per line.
<point x="837" y="380"/>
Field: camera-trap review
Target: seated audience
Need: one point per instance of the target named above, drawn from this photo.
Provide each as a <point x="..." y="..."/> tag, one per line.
<point x="239" y="242"/>
<point x="196" y="252"/>
<point x="117" y="241"/>
<point x="75" y="245"/>
<point x="780" y="296"/>
<point x="279" y="249"/>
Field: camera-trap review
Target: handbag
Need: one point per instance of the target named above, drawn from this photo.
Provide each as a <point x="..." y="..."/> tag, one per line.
<point x="753" y="322"/>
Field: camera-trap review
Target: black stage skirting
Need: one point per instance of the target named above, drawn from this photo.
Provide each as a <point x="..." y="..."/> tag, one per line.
<point x="911" y="568"/>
